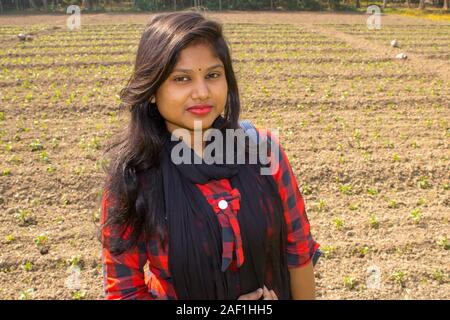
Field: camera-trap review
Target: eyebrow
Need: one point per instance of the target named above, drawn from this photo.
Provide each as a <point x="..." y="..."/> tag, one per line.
<point x="189" y="70"/>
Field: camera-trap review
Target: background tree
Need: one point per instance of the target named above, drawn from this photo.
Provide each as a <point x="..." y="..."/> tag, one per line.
<point x="170" y="5"/>
<point x="422" y="4"/>
<point x="33" y="4"/>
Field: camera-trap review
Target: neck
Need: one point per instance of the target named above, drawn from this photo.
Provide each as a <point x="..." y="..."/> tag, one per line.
<point x="196" y="142"/>
<point x="192" y="138"/>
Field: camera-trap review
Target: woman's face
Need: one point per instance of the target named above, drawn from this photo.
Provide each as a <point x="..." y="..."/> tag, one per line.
<point x="198" y="79"/>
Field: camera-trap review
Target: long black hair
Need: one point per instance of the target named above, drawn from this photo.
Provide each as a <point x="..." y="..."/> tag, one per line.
<point x="138" y="147"/>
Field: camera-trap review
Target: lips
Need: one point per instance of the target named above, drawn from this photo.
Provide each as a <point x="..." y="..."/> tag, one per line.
<point x="200" y="109"/>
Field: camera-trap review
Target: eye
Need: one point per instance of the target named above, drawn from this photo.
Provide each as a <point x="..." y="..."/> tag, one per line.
<point x="214" y="75"/>
<point x="181" y="79"/>
<point x="186" y="78"/>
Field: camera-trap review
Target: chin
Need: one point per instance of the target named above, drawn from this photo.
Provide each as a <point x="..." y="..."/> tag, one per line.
<point x="207" y="122"/>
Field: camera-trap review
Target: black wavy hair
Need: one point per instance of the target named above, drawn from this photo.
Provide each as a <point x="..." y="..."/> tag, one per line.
<point x="137" y="148"/>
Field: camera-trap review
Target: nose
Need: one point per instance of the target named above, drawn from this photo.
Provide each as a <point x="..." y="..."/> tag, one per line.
<point x="200" y="90"/>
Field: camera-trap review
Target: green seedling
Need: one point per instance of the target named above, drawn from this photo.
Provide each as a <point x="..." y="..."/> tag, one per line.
<point x="338" y="223"/>
<point x="439" y="276"/>
<point x="373" y="221"/>
<point x="328" y="251"/>
<point x="28" y="266"/>
<point x="78" y="295"/>
<point x="76" y="261"/>
<point x="423" y="183"/>
<point x="396" y="157"/>
<point x="24" y="217"/>
<point x="349" y="282"/>
<point x="40" y="240"/>
<point x="36" y="145"/>
<point x="345" y="189"/>
<point x="392" y="204"/>
<point x="26" y="294"/>
<point x="363" y="251"/>
<point x="307" y="189"/>
<point x="321" y="205"/>
<point x="399" y="277"/>
<point x="415" y="215"/>
<point x="421" y="202"/>
<point x="444" y="243"/>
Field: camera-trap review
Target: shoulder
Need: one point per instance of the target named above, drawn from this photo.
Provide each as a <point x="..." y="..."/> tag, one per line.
<point x="268" y="139"/>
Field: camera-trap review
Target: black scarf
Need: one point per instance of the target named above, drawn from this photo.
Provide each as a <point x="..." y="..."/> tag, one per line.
<point x="195" y="241"/>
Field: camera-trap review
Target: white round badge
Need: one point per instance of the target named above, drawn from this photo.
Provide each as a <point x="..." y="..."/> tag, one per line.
<point x="223" y="204"/>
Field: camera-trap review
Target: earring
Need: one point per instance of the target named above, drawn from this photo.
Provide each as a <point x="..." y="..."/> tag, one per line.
<point x="153" y="100"/>
<point x="152" y="110"/>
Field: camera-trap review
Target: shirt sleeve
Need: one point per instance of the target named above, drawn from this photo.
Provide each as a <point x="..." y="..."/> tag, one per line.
<point x="123" y="275"/>
<point x="301" y="247"/>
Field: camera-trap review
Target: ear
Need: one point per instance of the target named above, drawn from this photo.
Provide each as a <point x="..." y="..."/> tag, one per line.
<point x="153" y="99"/>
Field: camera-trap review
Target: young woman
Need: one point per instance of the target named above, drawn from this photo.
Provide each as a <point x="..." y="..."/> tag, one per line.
<point x="196" y="230"/>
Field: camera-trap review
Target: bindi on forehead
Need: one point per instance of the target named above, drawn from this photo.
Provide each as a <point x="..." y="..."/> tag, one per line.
<point x="219" y="65"/>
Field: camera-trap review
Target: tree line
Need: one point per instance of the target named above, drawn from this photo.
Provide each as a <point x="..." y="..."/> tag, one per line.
<point x="165" y="5"/>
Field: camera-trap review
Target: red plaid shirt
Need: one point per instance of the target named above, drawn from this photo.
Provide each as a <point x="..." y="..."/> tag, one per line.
<point x="143" y="272"/>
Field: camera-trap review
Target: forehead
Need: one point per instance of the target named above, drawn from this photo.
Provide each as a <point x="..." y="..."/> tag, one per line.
<point x="197" y="55"/>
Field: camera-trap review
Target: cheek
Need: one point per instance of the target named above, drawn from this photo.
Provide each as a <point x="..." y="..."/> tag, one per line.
<point x="221" y="92"/>
<point x="171" y="100"/>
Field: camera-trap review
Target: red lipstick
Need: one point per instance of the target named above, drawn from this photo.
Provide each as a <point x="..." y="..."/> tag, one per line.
<point x="200" y="110"/>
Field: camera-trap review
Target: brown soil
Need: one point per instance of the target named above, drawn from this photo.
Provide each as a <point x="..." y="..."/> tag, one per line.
<point x="366" y="134"/>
